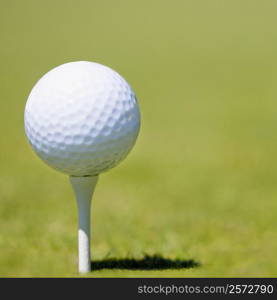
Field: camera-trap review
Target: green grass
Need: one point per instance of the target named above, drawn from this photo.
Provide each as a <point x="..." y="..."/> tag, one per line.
<point x="197" y="195"/>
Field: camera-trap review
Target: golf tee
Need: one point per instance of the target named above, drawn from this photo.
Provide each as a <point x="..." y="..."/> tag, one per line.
<point x="83" y="188"/>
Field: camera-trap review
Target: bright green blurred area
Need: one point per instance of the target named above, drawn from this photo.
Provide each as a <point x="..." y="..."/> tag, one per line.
<point x="201" y="182"/>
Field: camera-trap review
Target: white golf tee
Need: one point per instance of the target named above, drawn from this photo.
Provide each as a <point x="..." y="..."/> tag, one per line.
<point x="83" y="188"/>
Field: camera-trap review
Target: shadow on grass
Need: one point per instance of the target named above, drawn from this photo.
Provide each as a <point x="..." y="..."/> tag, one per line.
<point x="148" y="262"/>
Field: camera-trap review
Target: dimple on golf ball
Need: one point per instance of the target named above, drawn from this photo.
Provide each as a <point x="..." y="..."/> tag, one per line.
<point x="82" y="118"/>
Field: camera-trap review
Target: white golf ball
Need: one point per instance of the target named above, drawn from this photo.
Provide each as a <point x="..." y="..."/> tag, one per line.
<point x="82" y="118"/>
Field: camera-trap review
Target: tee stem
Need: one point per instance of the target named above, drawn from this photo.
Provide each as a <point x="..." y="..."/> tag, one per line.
<point x="83" y="188"/>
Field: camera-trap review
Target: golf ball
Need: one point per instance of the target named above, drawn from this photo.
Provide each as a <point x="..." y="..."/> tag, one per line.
<point x="82" y="118"/>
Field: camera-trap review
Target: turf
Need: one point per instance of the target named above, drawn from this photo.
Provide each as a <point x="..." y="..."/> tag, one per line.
<point x="197" y="195"/>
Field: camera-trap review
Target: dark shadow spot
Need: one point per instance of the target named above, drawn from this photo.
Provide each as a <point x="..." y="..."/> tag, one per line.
<point x="148" y="262"/>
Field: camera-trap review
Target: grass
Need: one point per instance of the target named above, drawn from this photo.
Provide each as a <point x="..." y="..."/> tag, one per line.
<point x="197" y="195"/>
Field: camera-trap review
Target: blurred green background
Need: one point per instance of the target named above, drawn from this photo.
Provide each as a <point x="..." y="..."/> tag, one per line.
<point x="201" y="183"/>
